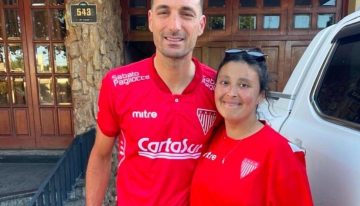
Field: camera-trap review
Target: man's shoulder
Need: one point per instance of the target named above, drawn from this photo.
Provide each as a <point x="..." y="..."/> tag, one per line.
<point x="206" y="69"/>
<point x="138" y="66"/>
<point x="130" y="73"/>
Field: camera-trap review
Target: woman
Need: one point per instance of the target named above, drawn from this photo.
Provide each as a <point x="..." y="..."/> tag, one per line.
<point x="248" y="163"/>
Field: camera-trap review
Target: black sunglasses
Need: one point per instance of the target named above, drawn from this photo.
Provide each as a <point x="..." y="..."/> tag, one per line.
<point x="258" y="55"/>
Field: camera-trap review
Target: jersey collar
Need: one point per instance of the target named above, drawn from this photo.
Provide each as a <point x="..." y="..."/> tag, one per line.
<point x="161" y="84"/>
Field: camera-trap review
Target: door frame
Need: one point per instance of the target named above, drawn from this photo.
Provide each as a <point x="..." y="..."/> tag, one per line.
<point x="36" y="137"/>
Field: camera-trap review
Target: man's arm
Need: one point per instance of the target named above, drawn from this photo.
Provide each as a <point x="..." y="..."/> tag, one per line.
<point x="98" y="169"/>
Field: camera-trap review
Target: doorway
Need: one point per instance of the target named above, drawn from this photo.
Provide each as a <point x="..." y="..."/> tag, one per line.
<point x="35" y="82"/>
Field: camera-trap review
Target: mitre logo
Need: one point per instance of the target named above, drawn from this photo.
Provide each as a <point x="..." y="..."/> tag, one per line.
<point x="144" y="114"/>
<point x="206" y="119"/>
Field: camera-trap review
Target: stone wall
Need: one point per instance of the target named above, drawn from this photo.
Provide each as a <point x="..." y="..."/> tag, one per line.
<point x="92" y="50"/>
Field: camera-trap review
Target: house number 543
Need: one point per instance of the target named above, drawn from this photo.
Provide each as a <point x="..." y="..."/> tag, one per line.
<point x="83" y="12"/>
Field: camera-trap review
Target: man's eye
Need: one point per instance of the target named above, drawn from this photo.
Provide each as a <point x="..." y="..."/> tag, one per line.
<point x="162" y="12"/>
<point x="187" y="14"/>
<point x="244" y="85"/>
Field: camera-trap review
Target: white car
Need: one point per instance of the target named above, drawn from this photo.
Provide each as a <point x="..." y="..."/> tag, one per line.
<point x="319" y="110"/>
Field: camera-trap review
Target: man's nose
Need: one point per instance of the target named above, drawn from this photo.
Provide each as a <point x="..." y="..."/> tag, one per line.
<point x="175" y="23"/>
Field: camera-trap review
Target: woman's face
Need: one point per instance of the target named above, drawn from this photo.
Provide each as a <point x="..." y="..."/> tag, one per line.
<point x="237" y="92"/>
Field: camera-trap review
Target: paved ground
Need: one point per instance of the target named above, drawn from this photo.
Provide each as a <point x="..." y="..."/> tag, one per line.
<point x="24" y="171"/>
<point x="21" y="177"/>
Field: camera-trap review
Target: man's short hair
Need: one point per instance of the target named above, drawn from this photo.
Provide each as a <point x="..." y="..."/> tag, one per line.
<point x="201" y="4"/>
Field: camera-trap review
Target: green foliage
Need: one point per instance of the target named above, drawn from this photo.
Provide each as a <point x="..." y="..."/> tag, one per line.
<point x="247" y="22"/>
<point x="217" y="23"/>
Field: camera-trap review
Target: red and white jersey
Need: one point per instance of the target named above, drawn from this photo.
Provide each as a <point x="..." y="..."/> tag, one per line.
<point x="263" y="169"/>
<point x="161" y="135"/>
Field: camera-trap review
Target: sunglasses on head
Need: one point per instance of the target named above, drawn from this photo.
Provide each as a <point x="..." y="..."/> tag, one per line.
<point x="251" y="52"/>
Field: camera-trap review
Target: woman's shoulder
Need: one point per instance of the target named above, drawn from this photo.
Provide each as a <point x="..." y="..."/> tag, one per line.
<point x="281" y="147"/>
<point x="275" y="140"/>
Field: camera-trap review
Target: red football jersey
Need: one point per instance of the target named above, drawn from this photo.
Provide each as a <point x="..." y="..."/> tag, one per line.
<point x="260" y="170"/>
<point x="161" y="135"/>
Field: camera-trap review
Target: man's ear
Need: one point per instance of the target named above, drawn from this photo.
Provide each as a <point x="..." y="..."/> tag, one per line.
<point x="150" y="20"/>
<point x="202" y="25"/>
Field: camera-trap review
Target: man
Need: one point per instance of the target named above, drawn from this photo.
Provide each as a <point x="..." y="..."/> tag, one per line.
<point x="161" y="109"/>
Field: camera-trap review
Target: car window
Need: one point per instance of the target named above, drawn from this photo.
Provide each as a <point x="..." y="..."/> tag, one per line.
<point x="337" y="96"/>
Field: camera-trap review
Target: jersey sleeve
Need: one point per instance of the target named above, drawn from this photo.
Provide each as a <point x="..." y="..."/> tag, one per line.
<point x="288" y="181"/>
<point x="298" y="152"/>
<point x="106" y="116"/>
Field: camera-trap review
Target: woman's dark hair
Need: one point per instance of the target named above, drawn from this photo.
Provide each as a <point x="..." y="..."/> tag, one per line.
<point x="255" y="58"/>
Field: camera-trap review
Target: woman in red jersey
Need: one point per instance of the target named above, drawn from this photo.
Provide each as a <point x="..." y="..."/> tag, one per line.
<point x="248" y="163"/>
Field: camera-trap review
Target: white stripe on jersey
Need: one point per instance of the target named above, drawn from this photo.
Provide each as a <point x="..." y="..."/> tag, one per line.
<point x="164" y="155"/>
<point x="295" y="148"/>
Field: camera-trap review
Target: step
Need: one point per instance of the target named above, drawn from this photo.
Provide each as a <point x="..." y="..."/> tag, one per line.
<point x="78" y="191"/>
<point x="77" y="196"/>
<point x="76" y="202"/>
<point x="30" y="156"/>
<point x="17" y="199"/>
<point x="22" y="172"/>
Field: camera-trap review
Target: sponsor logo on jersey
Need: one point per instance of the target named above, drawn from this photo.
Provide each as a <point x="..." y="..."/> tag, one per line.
<point x="209" y="83"/>
<point x="144" y="114"/>
<point x="209" y="155"/>
<point x="247" y="167"/>
<point x="206" y="119"/>
<point x="168" y="149"/>
<point x="126" y="79"/>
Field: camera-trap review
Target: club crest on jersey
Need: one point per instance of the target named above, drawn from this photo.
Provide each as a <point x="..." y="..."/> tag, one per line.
<point x="206" y="119"/>
<point x="247" y="167"/>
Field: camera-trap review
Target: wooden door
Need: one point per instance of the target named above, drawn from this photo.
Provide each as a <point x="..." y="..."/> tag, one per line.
<point x="281" y="28"/>
<point x="35" y="82"/>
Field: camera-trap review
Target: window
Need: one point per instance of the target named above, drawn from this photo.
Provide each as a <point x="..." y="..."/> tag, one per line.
<point x="216" y="3"/>
<point x="325" y="20"/>
<point x="216" y="23"/>
<point x="247" y="22"/>
<point x="4" y="91"/>
<point x="302" y="2"/>
<point x="2" y="59"/>
<point x="327" y="2"/>
<point x="38" y="3"/>
<point x="236" y="17"/>
<point x="12" y="24"/>
<point x="302" y="21"/>
<point x="271" y="3"/>
<point x="271" y="22"/>
<point x="138" y="22"/>
<point x="138" y="3"/>
<point x="247" y="3"/>
<point x="338" y="95"/>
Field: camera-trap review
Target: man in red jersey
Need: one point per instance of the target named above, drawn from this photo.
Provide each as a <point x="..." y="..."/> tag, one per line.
<point x="162" y="111"/>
